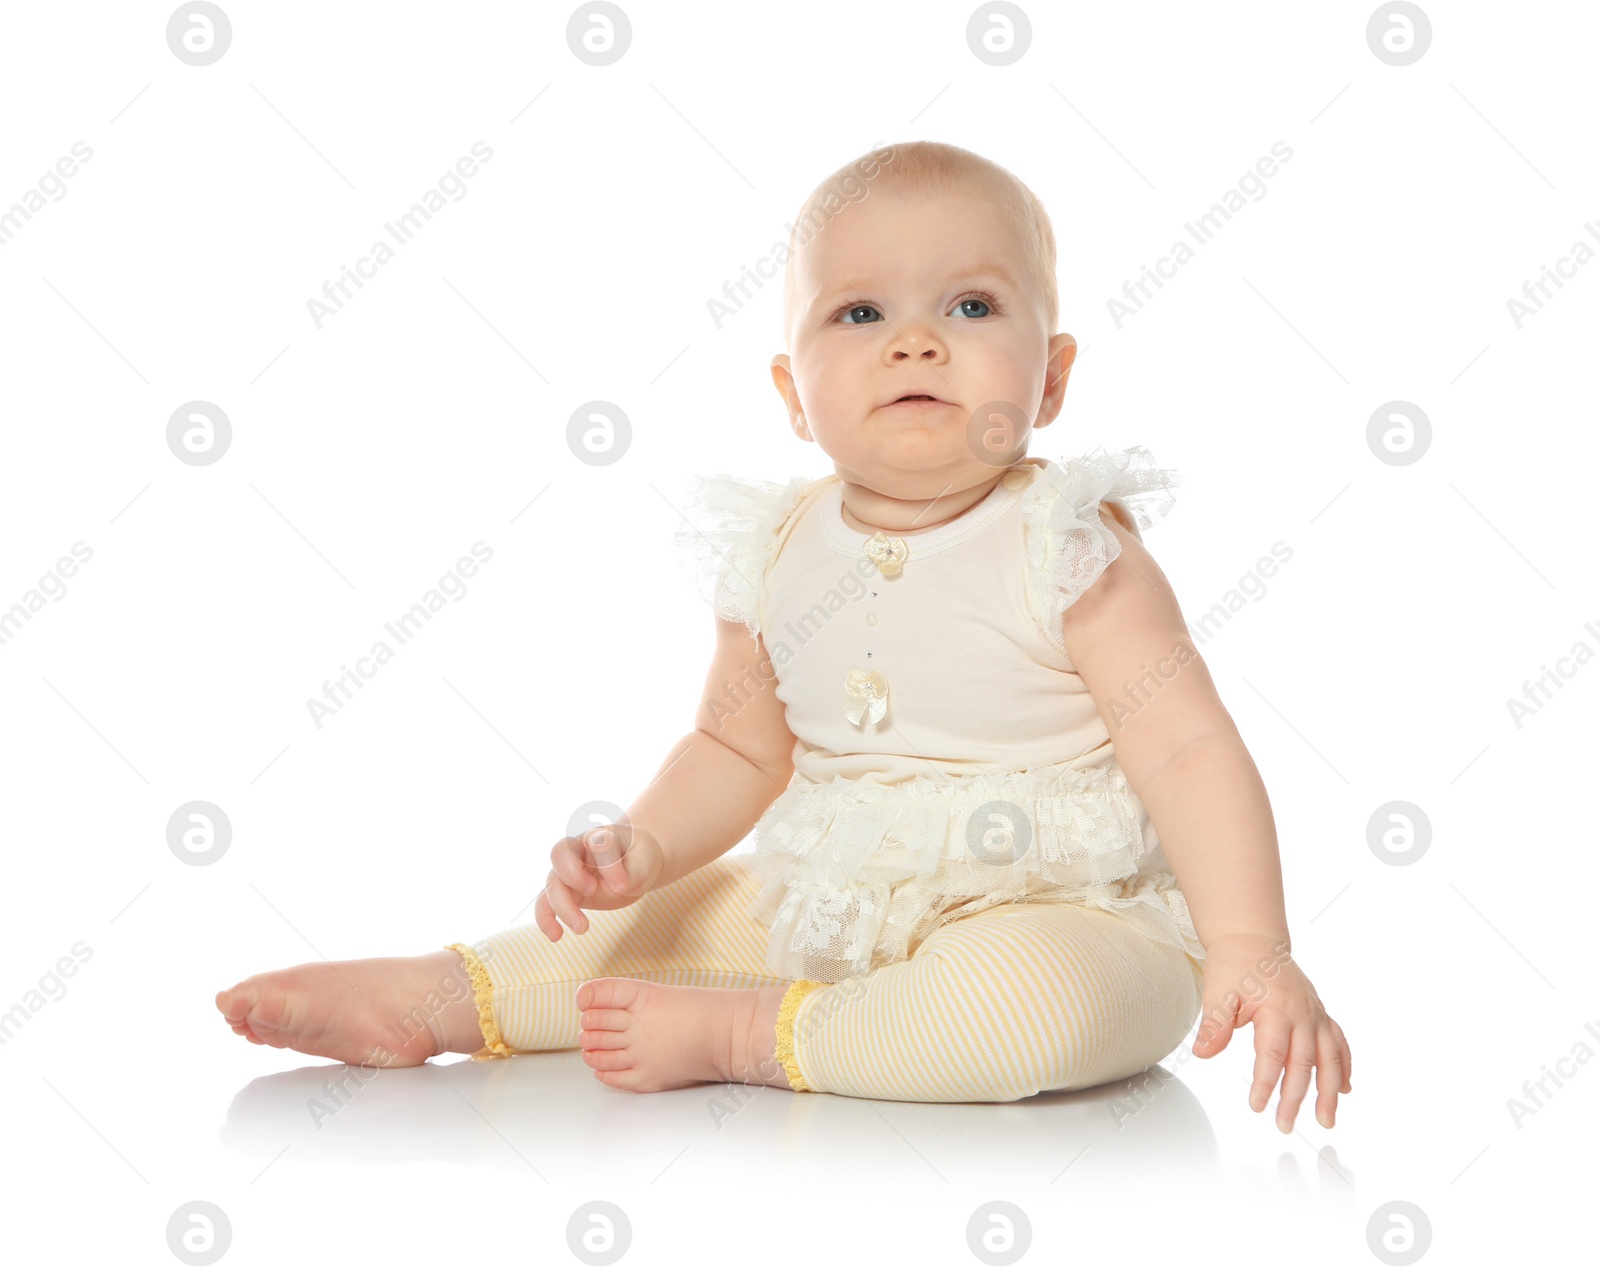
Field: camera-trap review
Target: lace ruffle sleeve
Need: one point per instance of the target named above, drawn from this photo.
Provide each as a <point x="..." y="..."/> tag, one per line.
<point x="725" y="545"/>
<point x="1068" y="546"/>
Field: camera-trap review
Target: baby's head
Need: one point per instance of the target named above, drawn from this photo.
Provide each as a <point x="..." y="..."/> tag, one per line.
<point x="921" y="268"/>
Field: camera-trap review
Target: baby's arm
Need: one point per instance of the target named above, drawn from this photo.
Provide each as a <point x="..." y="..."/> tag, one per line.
<point x="1178" y="746"/>
<point x="1187" y="763"/>
<point x="717" y="780"/>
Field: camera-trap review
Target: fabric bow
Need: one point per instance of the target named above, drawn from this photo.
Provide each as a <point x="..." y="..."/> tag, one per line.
<point x="866" y="693"/>
<point x="887" y="553"/>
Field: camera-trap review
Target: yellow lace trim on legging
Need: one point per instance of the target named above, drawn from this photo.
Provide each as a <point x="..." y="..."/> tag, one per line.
<point x="786" y="1014"/>
<point x="494" y="1046"/>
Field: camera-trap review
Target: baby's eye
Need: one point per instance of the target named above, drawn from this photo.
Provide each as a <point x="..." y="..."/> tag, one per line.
<point x="982" y="299"/>
<point x="858" y="308"/>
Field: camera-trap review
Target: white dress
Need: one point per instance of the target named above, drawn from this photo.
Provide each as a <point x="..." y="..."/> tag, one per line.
<point x="947" y="756"/>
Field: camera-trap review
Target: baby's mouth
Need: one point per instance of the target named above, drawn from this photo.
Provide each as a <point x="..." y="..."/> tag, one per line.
<point x="913" y="398"/>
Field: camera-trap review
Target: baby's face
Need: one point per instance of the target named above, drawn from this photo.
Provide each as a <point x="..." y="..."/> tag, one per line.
<point x="919" y="295"/>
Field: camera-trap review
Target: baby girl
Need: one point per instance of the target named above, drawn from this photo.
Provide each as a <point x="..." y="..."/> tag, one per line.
<point x="1007" y="838"/>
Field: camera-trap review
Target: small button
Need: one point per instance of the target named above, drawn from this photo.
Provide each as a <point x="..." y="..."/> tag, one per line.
<point x="872" y="619"/>
<point x="1015" y="479"/>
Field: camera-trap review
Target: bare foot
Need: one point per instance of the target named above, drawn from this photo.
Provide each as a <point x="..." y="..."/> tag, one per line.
<point x="387" y="1011"/>
<point x="646" y="1037"/>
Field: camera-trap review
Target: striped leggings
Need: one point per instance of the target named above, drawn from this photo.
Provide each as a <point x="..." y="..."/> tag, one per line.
<point x="1002" y="1004"/>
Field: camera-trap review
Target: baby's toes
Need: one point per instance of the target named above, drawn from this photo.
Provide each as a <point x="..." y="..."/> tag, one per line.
<point x="601" y="1038"/>
<point x="609" y="994"/>
<point x="608" y="1059"/>
<point x="234" y="1003"/>
<point x="607" y="1020"/>
<point x="241" y="1006"/>
<point x="265" y="1017"/>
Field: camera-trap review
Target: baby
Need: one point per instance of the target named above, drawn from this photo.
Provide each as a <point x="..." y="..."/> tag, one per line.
<point x="966" y="702"/>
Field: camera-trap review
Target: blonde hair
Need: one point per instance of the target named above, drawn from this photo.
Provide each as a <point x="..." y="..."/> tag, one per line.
<point x="929" y="167"/>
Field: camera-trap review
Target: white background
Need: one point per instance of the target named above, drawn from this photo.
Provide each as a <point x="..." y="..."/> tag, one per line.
<point x="431" y="413"/>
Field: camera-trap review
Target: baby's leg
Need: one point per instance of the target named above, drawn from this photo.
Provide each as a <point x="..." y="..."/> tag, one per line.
<point x="669" y="991"/>
<point x="662" y="1016"/>
<point x="384" y="1011"/>
<point x="1009" y="1002"/>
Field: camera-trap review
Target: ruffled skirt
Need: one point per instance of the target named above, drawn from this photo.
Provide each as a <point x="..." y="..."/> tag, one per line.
<point x="855" y="874"/>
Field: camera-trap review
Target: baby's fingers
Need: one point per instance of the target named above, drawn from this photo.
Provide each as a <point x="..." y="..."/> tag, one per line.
<point x="1301" y="1061"/>
<point x="568" y="862"/>
<point x="606" y="850"/>
<point x="1272" y="1054"/>
<point x="565" y="906"/>
<point x="1330" y="1072"/>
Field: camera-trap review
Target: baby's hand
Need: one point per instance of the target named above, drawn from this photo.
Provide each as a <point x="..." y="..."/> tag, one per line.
<point x="1250" y="978"/>
<point x="603" y="868"/>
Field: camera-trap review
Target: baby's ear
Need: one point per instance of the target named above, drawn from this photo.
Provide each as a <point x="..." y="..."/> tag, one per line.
<point x="783" y="381"/>
<point x="1059" y="359"/>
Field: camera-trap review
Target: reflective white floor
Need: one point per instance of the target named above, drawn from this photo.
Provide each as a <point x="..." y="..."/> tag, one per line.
<point x="115" y="1133"/>
<point x="547" y="1113"/>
